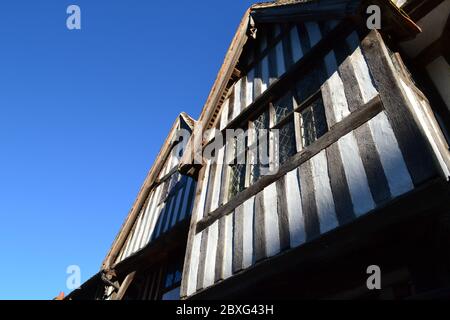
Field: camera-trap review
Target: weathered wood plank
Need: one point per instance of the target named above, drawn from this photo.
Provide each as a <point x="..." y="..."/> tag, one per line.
<point x="230" y="106"/>
<point x="328" y="104"/>
<point x="220" y="253"/>
<point x="202" y="260"/>
<point x="283" y="214"/>
<point x="271" y="228"/>
<point x="211" y="250"/>
<point x="335" y="89"/>
<point x="224" y="114"/>
<point x="224" y="187"/>
<point x="339" y="186"/>
<point x="360" y="69"/>
<point x="326" y="211"/>
<point x="356" y="175"/>
<point x="228" y="256"/>
<point x="217" y="179"/>
<point x="237" y="99"/>
<point x="312" y="225"/>
<point x="243" y="83"/>
<point x="298" y="131"/>
<point x="223" y="155"/>
<point x="389" y="152"/>
<point x="247" y="235"/>
<point x="295" y="209"/>
<point x="190" y="280"/>
<point x="250" y="79"/>
<point x="238" y="229"/>
<point x="416" y="151"/>
<point x="259" y="232"/>
<point x="376" y="177"/>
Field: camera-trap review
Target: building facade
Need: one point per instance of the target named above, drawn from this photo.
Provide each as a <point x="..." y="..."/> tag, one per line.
<point x="352" y="124"/>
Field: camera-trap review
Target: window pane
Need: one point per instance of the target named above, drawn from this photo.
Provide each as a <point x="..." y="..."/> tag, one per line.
<point x="287" y="146"/>
<point x="283" y="107"/>
<point x="320" y="118"/>
<point x="237" y="179"/>
<point x="314" y="124"/>
<point x="261" y="123"/>
<point x="308" y="130"/>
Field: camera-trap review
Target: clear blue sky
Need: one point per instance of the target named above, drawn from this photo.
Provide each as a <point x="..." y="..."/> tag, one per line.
<point x="83" y="115"/>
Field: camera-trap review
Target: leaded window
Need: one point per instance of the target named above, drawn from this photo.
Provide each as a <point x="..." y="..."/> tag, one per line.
<point x="313" y="122"/>
<point x="286" y="141"/>
<point x="284" y="127"/>
<point x="238" y="166"/>
<point x="310" y="105"/>
<point x="260" y="146"/>
<point x="283" y="107"/>
<point x="237" y="179"/>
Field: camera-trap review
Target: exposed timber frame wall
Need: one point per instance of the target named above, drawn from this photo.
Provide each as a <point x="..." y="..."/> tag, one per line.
<point x="154" y="178"/>
<point x="321" y="187"/>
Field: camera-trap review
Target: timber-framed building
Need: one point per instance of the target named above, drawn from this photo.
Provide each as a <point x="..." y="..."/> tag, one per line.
<point x="362" y="119"/>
